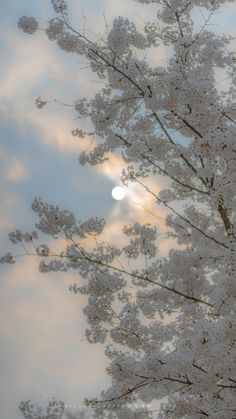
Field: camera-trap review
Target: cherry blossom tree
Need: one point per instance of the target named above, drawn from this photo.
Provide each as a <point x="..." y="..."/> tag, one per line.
<point x="168" y="323"/>
<point x="55" y="409"/>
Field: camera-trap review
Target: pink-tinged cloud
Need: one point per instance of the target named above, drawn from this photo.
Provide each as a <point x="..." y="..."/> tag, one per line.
<point x="35" y="62"/>
<point x="7" y="204"/>
<point x="43" y="324"/>
<point x="16" y="170"/>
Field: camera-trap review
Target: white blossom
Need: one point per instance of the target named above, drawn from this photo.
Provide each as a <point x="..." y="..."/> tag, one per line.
<point x="40" y="103"/>
<point x="68" y="42"/>
<point x="16" y="236"/>
<point x="28" y="24"/>
<point x="29" y="237"/>
<point x="59" y="6"/>
<point x="54" y="410"/>
<point x="7" y="258"/>
<point x="55" y="28"/>
<point x="94" y="225"/>
<point x="78" y="133"/>
<point x="42" y="250"/>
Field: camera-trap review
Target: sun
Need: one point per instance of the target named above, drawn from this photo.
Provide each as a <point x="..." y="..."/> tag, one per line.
<point x="118" y="193"/>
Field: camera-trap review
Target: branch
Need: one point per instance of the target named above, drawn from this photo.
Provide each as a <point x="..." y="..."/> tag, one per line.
<point x="188" y="124"/>
<point x="127" y="392"/>
<point x="123" y="271"/>
<point x="224" y="215"/>
<point x="95" y="51"/>
<point x="177" y="380"/>
<point x="181" y="216"/>
<point x="185" y="185"/>
<point x="226" y="386"/>
<point x="145" y="278"/>
<point x="189" y="164"/>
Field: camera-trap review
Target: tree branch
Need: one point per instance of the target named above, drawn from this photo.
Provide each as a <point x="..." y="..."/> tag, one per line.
<point x="181" y="216"/>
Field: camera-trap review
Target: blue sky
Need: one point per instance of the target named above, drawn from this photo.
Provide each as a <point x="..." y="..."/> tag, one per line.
<point x="43" y="352"/>
<point x="42" y="349"/>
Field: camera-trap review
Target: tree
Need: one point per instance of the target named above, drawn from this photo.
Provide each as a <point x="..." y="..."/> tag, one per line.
<point x="174" y="340"/>
<point x="55" y="409"/>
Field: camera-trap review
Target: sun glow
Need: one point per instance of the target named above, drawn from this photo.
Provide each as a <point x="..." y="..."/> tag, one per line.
<point x="118" y="193"/>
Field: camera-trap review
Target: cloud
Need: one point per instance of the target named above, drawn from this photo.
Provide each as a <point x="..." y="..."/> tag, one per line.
<point x="16" y="170"/>
<point x="2" y="154"/>
<point x="140" y="13"/>
<point x="37" y="67"/>
<point x="9" y="202"/>
<point x="42" y="326"/>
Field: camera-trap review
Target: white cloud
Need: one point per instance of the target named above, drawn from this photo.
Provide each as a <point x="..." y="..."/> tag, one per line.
<point x="16" y="170"/>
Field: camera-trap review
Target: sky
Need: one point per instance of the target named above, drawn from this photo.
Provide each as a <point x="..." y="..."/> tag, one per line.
<point x="43" y="352"/>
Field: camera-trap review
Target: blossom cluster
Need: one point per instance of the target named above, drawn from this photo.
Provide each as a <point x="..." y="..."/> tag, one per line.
<point x="143" y="240"/>
<point x="40" y="103"/>
<point x="28" y="24"/>
<point x="17" y="236"/>
<point x="55" y="28"/>
<point x="59" y="6"/>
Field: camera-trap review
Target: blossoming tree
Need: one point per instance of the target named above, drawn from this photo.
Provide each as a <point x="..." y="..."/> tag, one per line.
<point x="174" y="341"/>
